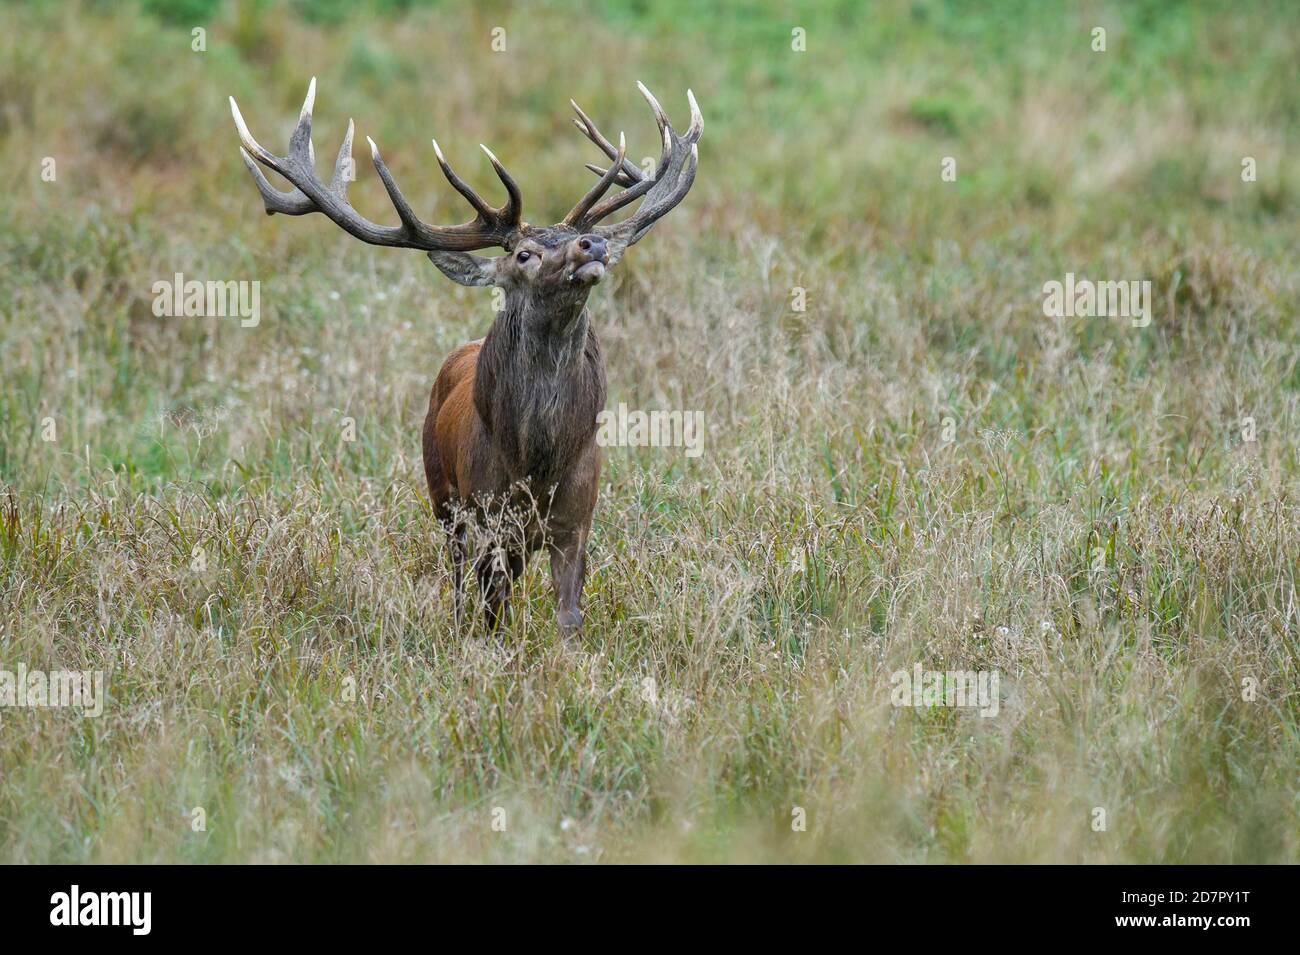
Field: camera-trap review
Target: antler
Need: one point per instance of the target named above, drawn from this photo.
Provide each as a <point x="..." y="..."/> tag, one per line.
<point x="489" y="227"/>
<point x="662" y="191"/>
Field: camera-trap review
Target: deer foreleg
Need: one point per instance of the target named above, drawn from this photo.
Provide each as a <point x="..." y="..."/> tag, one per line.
<point x="496" y="572"/>
<point x="568" y="569"/>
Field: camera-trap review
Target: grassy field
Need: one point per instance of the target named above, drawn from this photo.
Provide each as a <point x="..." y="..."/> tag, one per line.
<point x="918" y="468"/>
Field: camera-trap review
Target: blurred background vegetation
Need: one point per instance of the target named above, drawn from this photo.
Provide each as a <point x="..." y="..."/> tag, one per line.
<point x="829" y="534"/>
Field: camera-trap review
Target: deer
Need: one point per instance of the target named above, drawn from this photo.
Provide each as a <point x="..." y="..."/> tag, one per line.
<point x="512" y="417"/>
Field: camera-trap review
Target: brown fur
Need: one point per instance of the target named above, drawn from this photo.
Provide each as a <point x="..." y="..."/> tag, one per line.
<point x="511" y="429"/>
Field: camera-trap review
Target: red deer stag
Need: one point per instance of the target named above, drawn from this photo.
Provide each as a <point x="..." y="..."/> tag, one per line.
<point x="511" y="425"/>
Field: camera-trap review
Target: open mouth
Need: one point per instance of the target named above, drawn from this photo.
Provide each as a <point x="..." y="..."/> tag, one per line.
<point x="588" y="274"/>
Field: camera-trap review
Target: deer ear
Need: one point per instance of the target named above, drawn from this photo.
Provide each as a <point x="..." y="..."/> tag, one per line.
<point x="465" y="269"/>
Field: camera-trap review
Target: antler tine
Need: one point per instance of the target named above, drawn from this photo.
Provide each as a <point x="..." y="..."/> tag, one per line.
<point x="622" y="179"/>
<point x="410" y="221"/>
<point x="696" y="129"/>
<point x="578" y="216"/>
<point x="514" y="206"/>
<point x="250" y="144"/>
<point x="629" y="173"/>
<point x="660" y="116"/>
<point x="300" y="138"/>
<point x="489" y="227"/>
<point x="343" y="164"/>
<point x="459" y="184"/>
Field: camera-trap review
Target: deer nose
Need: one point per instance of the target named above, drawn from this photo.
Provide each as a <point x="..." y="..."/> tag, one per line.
<point x="594" y="247"/>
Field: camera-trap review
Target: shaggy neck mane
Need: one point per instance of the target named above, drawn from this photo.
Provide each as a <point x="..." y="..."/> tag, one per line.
<point x="539" y="385"/>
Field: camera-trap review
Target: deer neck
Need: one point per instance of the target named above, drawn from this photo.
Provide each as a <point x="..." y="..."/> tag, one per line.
<point x="539" y="385"/>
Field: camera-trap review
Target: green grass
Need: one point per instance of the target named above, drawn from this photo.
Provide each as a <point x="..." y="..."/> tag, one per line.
<point x="1096" y="528"/>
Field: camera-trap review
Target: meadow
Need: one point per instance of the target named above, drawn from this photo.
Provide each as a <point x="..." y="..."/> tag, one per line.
<point x="904" y="460"/>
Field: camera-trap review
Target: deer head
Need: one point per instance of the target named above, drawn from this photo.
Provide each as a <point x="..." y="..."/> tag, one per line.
<point x="551" y="267"/>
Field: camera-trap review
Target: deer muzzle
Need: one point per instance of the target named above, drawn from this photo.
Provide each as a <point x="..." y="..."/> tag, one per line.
<point x="588" y="256"/>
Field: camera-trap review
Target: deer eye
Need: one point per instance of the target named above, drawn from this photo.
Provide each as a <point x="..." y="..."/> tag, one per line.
<point x="523" y="256"/>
